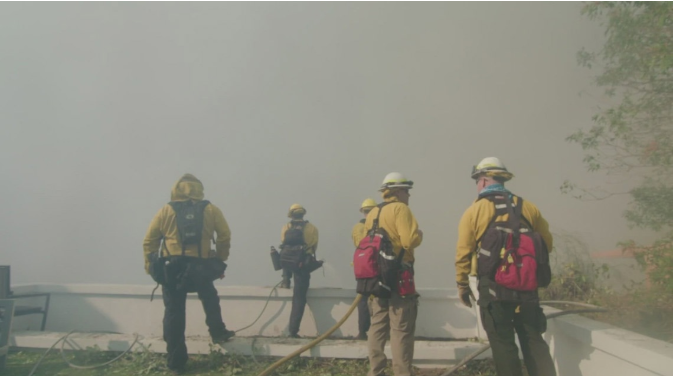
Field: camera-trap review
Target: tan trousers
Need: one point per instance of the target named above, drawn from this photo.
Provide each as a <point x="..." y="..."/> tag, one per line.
<point x="396" y="317"/>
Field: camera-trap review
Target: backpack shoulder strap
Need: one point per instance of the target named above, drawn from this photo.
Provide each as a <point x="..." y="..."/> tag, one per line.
<point x="514" y="220"/>
<point x="201" y="211"/>
<point x="499" y="200"/>
<point x="201" y="205"/>
<point x="513" y="215"/>
<point x="176" y="205"/>
<point x="518" y="211"/>
<point x="375" y="225"/>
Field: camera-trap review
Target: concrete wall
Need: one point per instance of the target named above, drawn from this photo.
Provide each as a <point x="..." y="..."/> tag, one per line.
<point x="580" y="346"/>
<point x="585" y="347"/>
<point x="127" y="309"/>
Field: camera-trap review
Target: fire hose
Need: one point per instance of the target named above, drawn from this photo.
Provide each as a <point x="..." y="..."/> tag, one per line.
<point x="311" y="344"/>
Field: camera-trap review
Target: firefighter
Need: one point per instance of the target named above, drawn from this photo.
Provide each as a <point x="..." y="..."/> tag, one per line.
<point x="186" y="226"/>
<point x="358" y="234"/>
<point x="520" y="312"/>
<point x="394" y="317"/>
<point x="298" y="237"/>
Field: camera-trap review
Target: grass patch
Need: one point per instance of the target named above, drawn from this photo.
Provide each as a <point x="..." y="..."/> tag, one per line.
<point x="213" y="364"/>
<point x="149" y="363"/>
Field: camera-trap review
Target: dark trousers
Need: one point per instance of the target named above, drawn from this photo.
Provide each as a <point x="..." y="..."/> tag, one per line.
<point x="500" y="321"/>
<point x="302" y="280"/>
<point x="287" y="274"/>
<point x="364" y="318"/>
<point x="174" y="320"/>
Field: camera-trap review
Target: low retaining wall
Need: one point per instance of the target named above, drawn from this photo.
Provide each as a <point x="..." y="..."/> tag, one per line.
<point x="127" y="309"/>
<point x="580" y="346"/>
<point x="585" y="347"/>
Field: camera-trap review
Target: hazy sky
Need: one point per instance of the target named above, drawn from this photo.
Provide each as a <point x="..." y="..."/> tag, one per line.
<point x="103" y="106"/>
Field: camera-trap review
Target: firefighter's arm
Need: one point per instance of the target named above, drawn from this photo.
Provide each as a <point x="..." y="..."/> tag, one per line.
<point x="152" y="239"/>
<point x="223" y="240"/>
<point x="407" y="228"/>
<point x="358" y="233"/>
<point x="311" y="238"/>
<point x="541" y="226"/>
<point x="282" y="233"/>
<point x="466" y="244"/>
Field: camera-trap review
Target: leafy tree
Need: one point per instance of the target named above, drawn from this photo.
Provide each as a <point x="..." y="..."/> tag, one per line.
<point x="634" y="137"/>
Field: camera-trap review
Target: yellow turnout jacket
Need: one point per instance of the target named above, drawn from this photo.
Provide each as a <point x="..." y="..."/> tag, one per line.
<point x="163" y="226"/>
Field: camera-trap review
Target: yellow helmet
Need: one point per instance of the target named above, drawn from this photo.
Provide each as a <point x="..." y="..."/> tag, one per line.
<point x="491" y="166"/>
<point x="296" y="209"/>
<point x="368" y="203"/>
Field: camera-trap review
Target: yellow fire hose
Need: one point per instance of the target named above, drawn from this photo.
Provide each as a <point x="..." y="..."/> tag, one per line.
<point x="311" y="344"/>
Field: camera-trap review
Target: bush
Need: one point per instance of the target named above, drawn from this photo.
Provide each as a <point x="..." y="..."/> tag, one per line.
<point x="575" y="276"/>
<point x="643" y="308"/>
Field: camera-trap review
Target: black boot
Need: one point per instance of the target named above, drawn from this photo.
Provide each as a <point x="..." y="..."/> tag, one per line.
<point x="222" y="338"/>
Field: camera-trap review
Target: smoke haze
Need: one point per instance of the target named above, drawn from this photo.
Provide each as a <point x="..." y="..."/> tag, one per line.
<point x="103" y="106"/>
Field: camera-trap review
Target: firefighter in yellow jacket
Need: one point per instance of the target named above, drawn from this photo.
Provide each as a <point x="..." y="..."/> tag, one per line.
<point x="501" y="319"/>
<point x="358" y="234"/>
<point x="191" y="265"/>
<point x="298" y="232"/>
<point x="394" y="317"/>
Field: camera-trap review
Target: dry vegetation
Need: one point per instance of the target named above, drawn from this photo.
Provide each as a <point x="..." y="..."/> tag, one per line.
<point x="215" y="363"/>
<point x="640" y="307"/>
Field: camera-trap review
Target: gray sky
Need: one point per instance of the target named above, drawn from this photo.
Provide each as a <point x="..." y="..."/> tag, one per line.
<point x="103" y="106"/>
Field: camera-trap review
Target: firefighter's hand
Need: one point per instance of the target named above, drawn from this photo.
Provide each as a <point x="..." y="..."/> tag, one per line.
<point x="222" y="276"/>
<point x="465" y="293"/>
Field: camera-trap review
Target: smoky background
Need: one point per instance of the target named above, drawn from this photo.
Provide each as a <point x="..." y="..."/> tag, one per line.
<point x="103" y="106"/>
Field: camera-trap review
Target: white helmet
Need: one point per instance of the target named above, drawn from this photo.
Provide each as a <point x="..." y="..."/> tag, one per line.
<point x="395" y="180"/>
<point x="491" y="166"/>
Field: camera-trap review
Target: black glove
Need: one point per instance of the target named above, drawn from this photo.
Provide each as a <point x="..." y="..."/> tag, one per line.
<point x="465" y="293"/>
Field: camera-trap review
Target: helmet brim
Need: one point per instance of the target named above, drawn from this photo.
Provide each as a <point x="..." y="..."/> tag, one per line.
<point x="404" y="185"/>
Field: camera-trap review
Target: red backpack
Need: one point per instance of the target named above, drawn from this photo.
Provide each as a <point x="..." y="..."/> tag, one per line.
<point x="513" y="260"/>
<point x="375" y="264"/>
<point x="518" y="267"/>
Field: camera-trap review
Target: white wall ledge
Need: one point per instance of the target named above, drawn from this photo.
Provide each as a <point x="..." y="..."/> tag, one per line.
<point x="223" y="291"/>
<point x="580" y="346"/>
<point x="645" y="352"/>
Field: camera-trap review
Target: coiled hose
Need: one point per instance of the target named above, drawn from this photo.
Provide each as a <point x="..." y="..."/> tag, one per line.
<point x="311" y="344"/>
<point x="590" y="308"/>
<point x="63" y="340"/>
